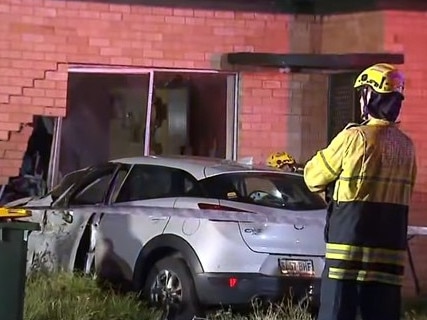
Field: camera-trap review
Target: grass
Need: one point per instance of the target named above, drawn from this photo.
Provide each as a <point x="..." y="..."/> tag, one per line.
<point x="64" y="296"/>
<point x="416" y="309"/>
<point x="284" y="311"/>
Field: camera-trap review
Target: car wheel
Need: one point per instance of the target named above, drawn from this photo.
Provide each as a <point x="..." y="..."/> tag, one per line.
<point x="170" y="286"/>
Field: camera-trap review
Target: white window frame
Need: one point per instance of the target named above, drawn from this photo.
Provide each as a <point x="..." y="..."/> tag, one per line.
<point x="231" y="115"/>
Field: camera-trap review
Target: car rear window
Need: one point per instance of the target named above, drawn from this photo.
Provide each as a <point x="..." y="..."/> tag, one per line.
<point x="276" y="190"/>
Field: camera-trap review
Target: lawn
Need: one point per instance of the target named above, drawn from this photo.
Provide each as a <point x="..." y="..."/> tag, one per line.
<point x="67" y="297"/>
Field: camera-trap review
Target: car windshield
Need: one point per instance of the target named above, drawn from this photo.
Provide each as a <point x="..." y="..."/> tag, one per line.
<point x="275" y="190"/>
<point x="66" y="182"/>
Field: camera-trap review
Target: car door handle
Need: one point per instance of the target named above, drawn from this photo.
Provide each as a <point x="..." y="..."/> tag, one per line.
<point x="158" y="218"/>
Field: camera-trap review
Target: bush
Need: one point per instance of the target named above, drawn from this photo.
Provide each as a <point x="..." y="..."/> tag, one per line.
<point x="62" y="296"/>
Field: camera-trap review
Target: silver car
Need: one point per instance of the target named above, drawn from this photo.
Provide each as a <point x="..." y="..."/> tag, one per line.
<point x="174" y="228"/>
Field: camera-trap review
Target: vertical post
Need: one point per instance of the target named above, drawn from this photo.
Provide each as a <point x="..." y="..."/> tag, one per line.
<point x="148" y="119"/>
<point x="236" y="116"/>
<point x="52" y="174"/>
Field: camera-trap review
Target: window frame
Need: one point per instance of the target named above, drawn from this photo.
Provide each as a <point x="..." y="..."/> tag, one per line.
<point x="170" y="170"/>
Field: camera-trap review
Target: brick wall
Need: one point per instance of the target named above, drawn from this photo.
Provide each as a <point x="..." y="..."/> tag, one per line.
<point x="41" y="37"/>
<point x="360" y="32"/>
<point x="308" y="92"/>
<point x="363" y="32"/>
<point x="356" y="32"/>
<point x="405" y="32"/>
<point x="264" y="114"/>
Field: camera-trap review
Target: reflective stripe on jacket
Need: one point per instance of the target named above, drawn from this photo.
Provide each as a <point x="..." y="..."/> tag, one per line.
<point x="373" y="166"/>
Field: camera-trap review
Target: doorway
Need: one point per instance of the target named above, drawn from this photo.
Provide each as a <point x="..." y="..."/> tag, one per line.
<point x="118" y="114"/>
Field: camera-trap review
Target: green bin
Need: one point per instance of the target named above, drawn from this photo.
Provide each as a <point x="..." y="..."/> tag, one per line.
<point x="13" y="262"/>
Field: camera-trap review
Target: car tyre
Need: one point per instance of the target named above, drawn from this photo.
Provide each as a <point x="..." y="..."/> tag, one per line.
<point x="170" y="286"/>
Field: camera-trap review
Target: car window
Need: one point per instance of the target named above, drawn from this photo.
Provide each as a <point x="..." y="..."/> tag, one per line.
<point x="118" y="182"/>
<point x="150" y="182"/>
<point x="66" y="183"/>
<point x="274" y="190"/>
<point x="94" y="190"/>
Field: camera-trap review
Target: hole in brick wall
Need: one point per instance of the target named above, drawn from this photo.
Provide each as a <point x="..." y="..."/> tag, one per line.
<point x="33" y="174"/>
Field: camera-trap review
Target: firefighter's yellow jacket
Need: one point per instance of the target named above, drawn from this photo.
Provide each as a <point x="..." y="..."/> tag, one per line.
<point x="373" y="166"/>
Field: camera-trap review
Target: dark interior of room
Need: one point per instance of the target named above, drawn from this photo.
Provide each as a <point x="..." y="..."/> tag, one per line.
<point x="207" y="109"/>
<point x="96" y="118"/>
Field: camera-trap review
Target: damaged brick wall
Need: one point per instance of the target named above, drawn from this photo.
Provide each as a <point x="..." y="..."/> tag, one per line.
<point x="27" y="87"/>
<point x="42" y="37"/>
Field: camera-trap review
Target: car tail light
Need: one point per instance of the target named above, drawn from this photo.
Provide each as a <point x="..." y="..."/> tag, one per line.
<point x="232" y="282"/>
<point x="211" y="206"/>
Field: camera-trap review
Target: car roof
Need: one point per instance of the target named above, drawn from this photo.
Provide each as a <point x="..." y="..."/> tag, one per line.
<point x="200" y="167"/>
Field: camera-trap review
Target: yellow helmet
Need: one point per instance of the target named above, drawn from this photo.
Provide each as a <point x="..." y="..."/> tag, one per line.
<point x="280" y="160"/>
<point x="382" y="78"/>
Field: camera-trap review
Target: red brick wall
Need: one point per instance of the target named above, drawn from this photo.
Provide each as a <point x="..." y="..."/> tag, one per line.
<point x="41" y="37"/>
<point x="264" y="114"/>
<point x="406" y="32"/>
<point x="344" y="33"/>
<point x="365" y="32"/>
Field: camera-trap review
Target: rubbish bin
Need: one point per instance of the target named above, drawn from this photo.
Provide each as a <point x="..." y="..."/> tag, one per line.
<point x="13" y="261"/>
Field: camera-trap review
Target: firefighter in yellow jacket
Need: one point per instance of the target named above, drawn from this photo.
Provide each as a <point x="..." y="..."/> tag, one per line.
<point x="373" y="167"/>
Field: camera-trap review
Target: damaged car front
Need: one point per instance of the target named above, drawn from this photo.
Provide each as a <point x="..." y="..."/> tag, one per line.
<point x="58" y="245"/>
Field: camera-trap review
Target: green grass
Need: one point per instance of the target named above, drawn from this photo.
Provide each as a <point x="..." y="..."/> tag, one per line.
<point x="64" y="296"/>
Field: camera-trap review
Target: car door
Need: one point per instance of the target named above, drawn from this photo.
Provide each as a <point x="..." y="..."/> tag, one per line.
<point x="67" y="219"/>
<point x="146" y="188"/>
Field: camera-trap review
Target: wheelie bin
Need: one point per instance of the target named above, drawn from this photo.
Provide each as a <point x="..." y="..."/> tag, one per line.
<point x="13" y="261"/>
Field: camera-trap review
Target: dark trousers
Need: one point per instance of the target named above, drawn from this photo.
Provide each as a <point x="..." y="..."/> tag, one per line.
<point x="344" y="299"/>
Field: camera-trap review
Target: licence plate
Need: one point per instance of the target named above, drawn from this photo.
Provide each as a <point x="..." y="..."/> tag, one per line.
<point x="296" y="267"/>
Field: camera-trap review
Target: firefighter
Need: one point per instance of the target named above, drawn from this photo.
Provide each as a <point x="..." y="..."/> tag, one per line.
<point x="373" y="167"/>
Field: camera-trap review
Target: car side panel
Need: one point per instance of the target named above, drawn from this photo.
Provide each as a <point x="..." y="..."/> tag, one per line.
<point x="55" y="246"/>
<point x="121" y="237"/>
<point x="218" y="245"/>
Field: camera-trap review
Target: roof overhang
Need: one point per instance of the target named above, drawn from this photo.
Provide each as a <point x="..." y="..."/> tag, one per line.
<point x="296" y="62"/>
<point x="317" y="7"/>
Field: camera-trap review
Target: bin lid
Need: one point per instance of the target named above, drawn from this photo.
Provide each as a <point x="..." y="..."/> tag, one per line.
<point x="8" y="216"/>
<point x="10" y="213"/>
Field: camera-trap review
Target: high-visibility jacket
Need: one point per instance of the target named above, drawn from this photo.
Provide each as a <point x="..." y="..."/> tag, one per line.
<point x="373" y="166"/>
